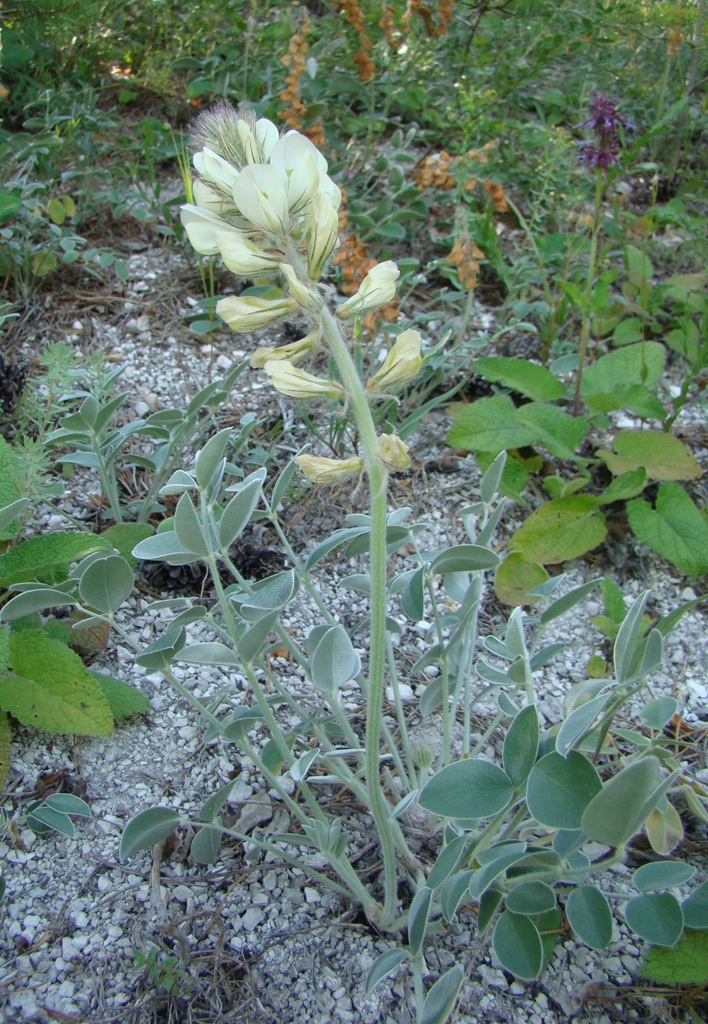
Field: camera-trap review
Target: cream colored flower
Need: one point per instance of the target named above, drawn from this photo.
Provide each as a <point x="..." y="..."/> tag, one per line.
<point x="297" y="158"/>
<point x="305" y="296"/>
<point x="392" y="452"/>
<point x="329" y="471"/>
<point x="295" y="352"/>
<point x="202" y="227"/>
<point x="321" y="235"/>
<point x="249" y="312"/>
<point x="402" y="362"/>
<point x="289" y="380"/>
<point x="377" y="288"/>
<point x="242" y="256"/>
<point x="257" y="139"/>
<point x="259" y="193"/>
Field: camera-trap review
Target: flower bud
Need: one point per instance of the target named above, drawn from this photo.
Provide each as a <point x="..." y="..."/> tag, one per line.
<point x="215" y="170"/>
<point x="257" y="139"/>
<point x="295" y="352"/>
<point x="299" y="290"/>
<point x="288" y="380"/>
<point x="202" y="227"/>
<point x="242" y="256"/>
<point x="321" y="235"/>
<point x="392" y="452"/>
<point x="377" y="288"/>
<point x="329" y="471"/>
<point x="402" y="362"/>
<point x="259" y="193"/>
<point x="245" y="313"/>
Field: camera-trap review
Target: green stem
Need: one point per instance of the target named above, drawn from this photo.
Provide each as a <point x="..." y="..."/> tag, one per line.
<point x="590" y="284"/>
<point x="359" y="403"/>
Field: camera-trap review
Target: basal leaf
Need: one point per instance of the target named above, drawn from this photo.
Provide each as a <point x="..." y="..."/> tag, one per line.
<point x="675" y="528"/>
<point x="52" y="689"/>
<point x="521" y="375"/>
<point x="664" y="457"/>
<point x="559" y="530"/>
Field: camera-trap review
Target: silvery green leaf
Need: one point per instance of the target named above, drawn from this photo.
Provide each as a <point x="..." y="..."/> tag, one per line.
<point x="210" y="456"/>
<point x="567" y="840"/>
<point x="545" y="654"/>
<point x="506" y="704"/>
<point x="299" y="770"/>
<point x="398" y="516"/>
<point x="579" y="723"/>
<point x="464" y="558"/>
<point x="179" y="482"/>
<point x="695" y="909"/>
<point x="656" y="917"/>
<point x="67" y="803"/>
<point x="44" y="818"/>
<point x="431" y="657"/>
<point x="453" y="891"/>
<point x="35" y="600"/>
<point x="559" y="789"/>
<point x="250" y="644"/>
<point x="188" y="527"/>
<point x="514" y="636"/>
<point x="216" y="801"/>
<point x="334" y="661"/>
<point x="106" y="584"/>
<point x="617" y="811"/>
<point x="441" y="998"/>
<point x="518" y="946"/>
<point x="432" y="697"/>
<point x="546" y="588"/>
<point x="482" y="878"/>
<point x="485" y="535"/>
<point x="164" y="547"/>
<point x="531" y="899"/>
<point x="418" y="914"/>
<point x="521" y="745"/>
<point x="268" y="595"/>
<point x="238" y="512"/>
<point x="496" y="646"/>
<point x="662" y="874"/>
<point x="382" y="967"/>
<point x="628" y="638"/>
<point x="338" y="537"/>
<point x="360" y="582"/>
<point x="446" y="861"/>
<point x="656" y="713"/>
<point x="209" y="653"/>
<point x="490" y="674"/>
<point x="147" y="828"/>
<point x="205" y="845"/>
<point x="282" y="483"/>
<point x="470" y="788"/>
<point x="589" y="916"/>
<point x="160" y="653"/>
<point x="489" y="485"/>
<point x="240" y="722"/>
<point x="10" y="512"/>
<point x="488" y="905"/>
<point x="568" y="601"/>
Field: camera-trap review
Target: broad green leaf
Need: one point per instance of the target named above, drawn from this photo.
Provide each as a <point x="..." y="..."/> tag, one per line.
<point x="685" y="964"/>
<point x="638" y="263"/>
<point x="521" y="745"/>
<point x="521" y="375"/>
<point x="471" y="788"/>
<point x="5" y="748"/>
<point x="418" y="914"/>
<point x="675" y="528"/>
<point x="625" y="486"/>
<point x="617" y="812"/>
<point x="382" y="967"/>
<point x="334" y="661"/>
<point x="106" y="584"/>
<point x="124" y="700"/>
<point x="663" y="456"/>
<point x="560" y="789"/>
<point x="632" y="398"/>
<point x="489" y="425"/>
<point x="641" y="364"/>
<point x="656" y="917"/>
<point x="559" y="530"/>
<point x="52" y="689"/>
<point x="43" y="819"/>
<point x="556" y="430"/>
<point x="67" y="803"/>
<point x="268" y="595"/>
<point x="589" y="915"/>
<point x="164" y="547"/>
<point x="147" y="828"/>
<point x="515" y="577"/>
<point x="695" y="908"/>
<point x="530" y="899"/>
<point x="662" y="874"/>
<point x="11" y="501"/>
<point x="518" y="946"/>
<point x="47" y="553"/>
<point x="124" y="536"/>
<point x="440" y="1000"/>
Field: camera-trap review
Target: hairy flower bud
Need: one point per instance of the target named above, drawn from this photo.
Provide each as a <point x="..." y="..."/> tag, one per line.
<point x="392" y="452"/>
<point x="259" y="193"/>
<point x="288" y="380"/>
<point x="329" y="471"/>
<point x="215" y="170"/>
<point x="300" y="291"/>
<point x="245" y="313"/>
<point x="202" y="227"/>
<point x="321" y="235"/>
<point x="257" y="139"/>
<point x="402" y="362"/>
<point x="295" y="352"/>
<point x="377" y="288"/>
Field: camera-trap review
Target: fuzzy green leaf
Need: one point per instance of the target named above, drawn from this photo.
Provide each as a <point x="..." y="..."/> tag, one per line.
<point x="685" y="964"/>
<point x="674" y="529"/>
<point x="47" y="553"/>
<point x="52" y="689"/>
<point x="147" y="828"/>
<point x="520" y="375"/>
<point x="124" y="700"/>
<point x="616" y="813"/>
<point x="664" y="457"/>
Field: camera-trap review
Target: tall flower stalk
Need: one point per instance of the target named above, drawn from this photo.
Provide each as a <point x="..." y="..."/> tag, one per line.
<point x="266" y="205"/>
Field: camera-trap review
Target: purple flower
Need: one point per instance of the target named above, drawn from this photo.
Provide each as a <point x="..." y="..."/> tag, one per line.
<point x="605" y="123"/>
